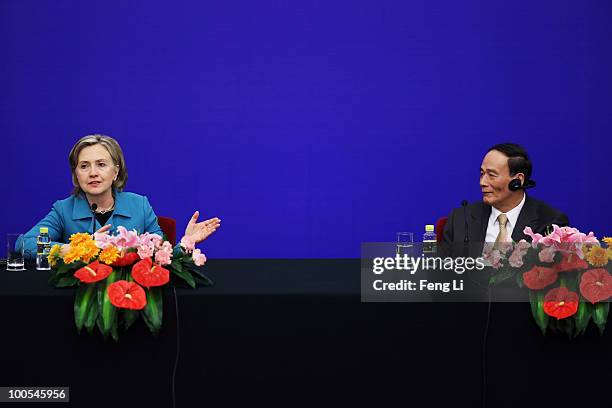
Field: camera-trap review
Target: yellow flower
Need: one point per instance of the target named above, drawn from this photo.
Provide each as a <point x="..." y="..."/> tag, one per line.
<point x="608" y="240"/>
<point x="79" y="238"/>
<point x="597" y="256"/>
<point x="88" y="250"/>
<point x="609" y="251"/>
<point x="109" y="254"/>
<point x="54" y="254"/>
<point x="73" y="254"/>
<point x="82" y="247"/>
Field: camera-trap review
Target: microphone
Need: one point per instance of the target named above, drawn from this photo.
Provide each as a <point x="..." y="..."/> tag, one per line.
<point x="94" y="207"/>
<point x="529" y="184"/>
<point x="466" y="237"/>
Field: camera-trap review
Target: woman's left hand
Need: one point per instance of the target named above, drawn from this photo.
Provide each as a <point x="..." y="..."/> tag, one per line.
<point x="199" y="231"/>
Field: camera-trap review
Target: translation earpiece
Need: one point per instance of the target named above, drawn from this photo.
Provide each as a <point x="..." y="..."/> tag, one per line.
<point x="514" y="185"/>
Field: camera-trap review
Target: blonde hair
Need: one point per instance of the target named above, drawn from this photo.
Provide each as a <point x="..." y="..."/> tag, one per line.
<point x="113" y="149"/>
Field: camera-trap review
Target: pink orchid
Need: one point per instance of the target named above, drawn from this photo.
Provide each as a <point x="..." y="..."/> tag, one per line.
<point x="535" y="238"/>
<point x="187" y="243"/>
<point x="103" y="239"/>
<point x="566" y="239"/>
<point x="126" y="239"/>
<point x="198" y="257"/>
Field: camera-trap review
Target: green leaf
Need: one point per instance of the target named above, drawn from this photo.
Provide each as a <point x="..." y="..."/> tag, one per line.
<point x="568" y="327"/>
<point x="108" y="313"/>
<point x="115" y="330"/>
<point x="536" y="299"/>
<point x="176" y="265"/>
<point x="53" y="279"/>
<point x="129" y="317"/>
<point x="600" y="315"/>
<point x="65" y="268"/>
<point x="153" y="311"/>
<point x="197" y="274"/>
<point x="62" y="270"/>
<point x="582" y="317"/>
<point x="203" y="280"/>
<point x="519" y="280"/>
<point x="186" y="276"/>
<point x="501" y="276"/>
<point x="66" y="281"/>
<point x="92" y="315"/>
<point x="83" y="303"/>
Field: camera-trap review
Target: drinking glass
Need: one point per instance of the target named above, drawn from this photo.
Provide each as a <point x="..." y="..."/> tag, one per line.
<point x="405" y="243"/>
<point x="14" y="252"/>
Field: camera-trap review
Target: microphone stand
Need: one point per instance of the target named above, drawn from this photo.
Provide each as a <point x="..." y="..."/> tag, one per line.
<point x="94" y="207"/>
<point x="466" y="237"/>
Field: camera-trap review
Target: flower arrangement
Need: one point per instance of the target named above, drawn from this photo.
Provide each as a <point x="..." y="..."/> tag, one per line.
<point x="121" y="277"/>
<point x="567" y="273"/>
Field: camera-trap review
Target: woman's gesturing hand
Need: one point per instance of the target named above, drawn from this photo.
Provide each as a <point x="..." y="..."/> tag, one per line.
<point x="199" y="231"/>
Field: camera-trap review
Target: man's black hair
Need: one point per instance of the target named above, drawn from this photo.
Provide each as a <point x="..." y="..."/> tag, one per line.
<point x="518" y="159"/>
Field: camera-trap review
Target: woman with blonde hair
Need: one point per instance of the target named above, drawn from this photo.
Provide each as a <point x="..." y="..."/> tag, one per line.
<point x="98" y="202"/>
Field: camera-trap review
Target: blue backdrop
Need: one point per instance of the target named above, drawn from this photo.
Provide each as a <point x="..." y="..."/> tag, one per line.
<point x="307" y="126"/>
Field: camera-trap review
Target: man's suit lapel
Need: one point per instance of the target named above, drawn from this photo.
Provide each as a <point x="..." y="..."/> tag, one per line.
<point x="527" y="218"/>
<point x="478" y="228"/>
<point x="480" y="221"/>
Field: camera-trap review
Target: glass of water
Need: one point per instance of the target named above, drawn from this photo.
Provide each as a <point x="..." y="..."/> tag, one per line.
<point x="405" y="243"/>
<point x="14" y="252"/>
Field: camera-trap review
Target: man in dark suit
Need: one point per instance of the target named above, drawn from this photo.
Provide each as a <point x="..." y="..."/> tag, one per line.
<point x="505" y="209"/>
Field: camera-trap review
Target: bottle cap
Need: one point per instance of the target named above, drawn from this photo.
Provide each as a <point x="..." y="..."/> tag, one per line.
<point x="429" y="228"/>
<point x="44" y="230"/>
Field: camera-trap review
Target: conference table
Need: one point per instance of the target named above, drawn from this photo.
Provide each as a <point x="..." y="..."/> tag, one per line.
<point x="294" y="332"/>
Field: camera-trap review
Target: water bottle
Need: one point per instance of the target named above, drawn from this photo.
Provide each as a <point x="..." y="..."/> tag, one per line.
<point x="430" y="245"/>
<point x="43" y="247"/>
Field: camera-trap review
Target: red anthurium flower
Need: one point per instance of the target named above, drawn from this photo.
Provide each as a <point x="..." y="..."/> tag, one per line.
<point x="596" y="285"/>
<point x="126" y="259"/>
<point x="149" y="274"/>
<point x="539" y="277"/>
<point x="570" y="262"/>
<point x="93" y="272"/>
<point x="127" y="295"/>
<point x="560" y="303"/>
